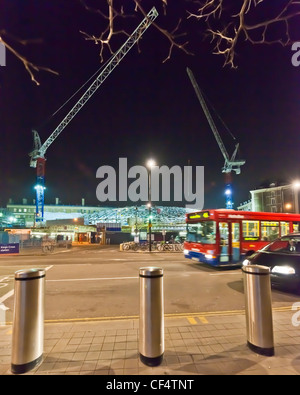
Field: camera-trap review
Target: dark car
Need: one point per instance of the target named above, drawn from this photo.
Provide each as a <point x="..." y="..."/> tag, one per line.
<point x="282" y="256"/>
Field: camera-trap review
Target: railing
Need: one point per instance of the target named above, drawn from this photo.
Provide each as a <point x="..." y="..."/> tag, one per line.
<point x="155" y="246"/>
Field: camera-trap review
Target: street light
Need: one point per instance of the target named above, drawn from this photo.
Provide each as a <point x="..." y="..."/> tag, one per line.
<point x="288" y="206"/>
<point x="150" y="164"/>
<point x="228" y="194"/>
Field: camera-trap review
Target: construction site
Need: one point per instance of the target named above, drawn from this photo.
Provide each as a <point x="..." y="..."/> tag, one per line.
<point x="92" y="224"/>
<point x="83" y="224"/>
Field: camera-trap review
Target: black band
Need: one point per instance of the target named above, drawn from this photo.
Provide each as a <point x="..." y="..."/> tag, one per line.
<point x="17" y="369"/>
<point x="268" y="352"/>
<point x="151" y="361"/>
<point x="30" y="278"/>
<point x="256" y="274"/>
<point x="155" y="276"/>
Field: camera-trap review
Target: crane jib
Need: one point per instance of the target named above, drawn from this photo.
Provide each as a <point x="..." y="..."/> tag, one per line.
<point x="114" y="61"/>
<point x="38" y="154"/>
<point x="230" y="163"/>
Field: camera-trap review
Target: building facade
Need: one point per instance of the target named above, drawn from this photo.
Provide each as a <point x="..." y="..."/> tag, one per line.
<point x="24" y="214"/>
<point x="276" y="199"/>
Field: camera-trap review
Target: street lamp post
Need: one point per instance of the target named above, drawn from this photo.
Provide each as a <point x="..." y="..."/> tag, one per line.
<point x="150" y="225"/>
<point x="150" y="164"/>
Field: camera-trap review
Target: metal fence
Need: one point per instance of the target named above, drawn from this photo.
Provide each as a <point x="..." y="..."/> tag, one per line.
<point x="155" y="246"/>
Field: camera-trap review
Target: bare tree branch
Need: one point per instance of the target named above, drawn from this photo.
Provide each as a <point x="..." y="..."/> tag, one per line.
<point x="106" y="36"/>
<point x="111" y="16"/>
<point x="227" y="21"/>
<point x="226" y="39"/>
<point x="29" y="66"/>
<point x="171" y="36"/>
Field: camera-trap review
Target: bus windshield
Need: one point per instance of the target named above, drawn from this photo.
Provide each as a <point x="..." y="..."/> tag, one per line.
<point x="203" y="232"/>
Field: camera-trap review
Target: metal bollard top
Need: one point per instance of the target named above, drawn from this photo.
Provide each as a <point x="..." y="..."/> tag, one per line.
<point x="29" y="274"/>
<point x="151" y="271"/>
<point x="256" y="269"/>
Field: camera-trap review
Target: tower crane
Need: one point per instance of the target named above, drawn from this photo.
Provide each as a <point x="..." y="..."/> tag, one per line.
<point x="231" y="163"/>
<point x="37" y="156"/>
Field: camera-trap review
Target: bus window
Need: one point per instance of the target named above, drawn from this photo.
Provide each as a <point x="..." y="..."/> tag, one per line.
<point x="295" y="226"/>
<point x="224" y="234"/>
<point x="203" y="232"/>
<point x="250" y="230"/>
<point x="269" y="230"/>
<point x="284" y="228"/>
<point x="224" y="241"/>
<point x="235" y="240"/>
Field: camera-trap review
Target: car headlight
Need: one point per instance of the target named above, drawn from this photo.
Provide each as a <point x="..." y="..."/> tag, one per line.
<point x="246" y="262"/>
<point x="283" y="270"/>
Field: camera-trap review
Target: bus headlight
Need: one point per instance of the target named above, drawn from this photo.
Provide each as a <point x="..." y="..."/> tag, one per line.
<point x="186" y="252"/>
<point x="209" y="256"/>
<point x="283" y="270"/>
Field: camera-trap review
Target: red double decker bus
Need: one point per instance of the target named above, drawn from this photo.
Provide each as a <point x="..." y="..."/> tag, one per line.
<point x="224" y="237"/>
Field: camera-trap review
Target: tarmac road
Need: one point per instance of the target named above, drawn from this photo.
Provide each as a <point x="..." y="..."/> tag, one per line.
<point x="94" y="282"/>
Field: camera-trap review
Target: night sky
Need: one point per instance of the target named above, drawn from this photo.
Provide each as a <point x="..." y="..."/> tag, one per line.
<point x="144" y="108"/>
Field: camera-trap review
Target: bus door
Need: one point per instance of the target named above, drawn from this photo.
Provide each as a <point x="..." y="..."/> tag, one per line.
<point x="224" y="241"/>
<point x="235" y="241"/>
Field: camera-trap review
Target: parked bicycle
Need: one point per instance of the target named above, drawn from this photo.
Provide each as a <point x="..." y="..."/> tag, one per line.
<point x="155" y="246"/>
<point x="48" y="246"/>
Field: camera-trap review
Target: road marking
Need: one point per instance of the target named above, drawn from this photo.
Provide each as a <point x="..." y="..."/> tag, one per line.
<point x="203" y="319"/>
<point x="4" y="278"/>
<point x="191" y="320"/>
<point x="224" y="274"/>
<point x="10" y="293"/>
<point x="171" y="315"/>
<point x="6" y="296"/>
<point x="118" y="259"/>
<point x="93" y="279"/>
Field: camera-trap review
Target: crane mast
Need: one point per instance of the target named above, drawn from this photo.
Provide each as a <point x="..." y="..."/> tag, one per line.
<point x="37" y="156"/>
<point x="230" y="164"/>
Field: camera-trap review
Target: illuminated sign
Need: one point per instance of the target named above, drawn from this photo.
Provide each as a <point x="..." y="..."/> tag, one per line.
<point x="12" y="248"/>
<point x="194" y="216"/>
<point x="204" y="214"/>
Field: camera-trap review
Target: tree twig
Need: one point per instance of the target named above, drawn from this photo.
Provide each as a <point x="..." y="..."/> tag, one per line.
<point x="30" y="67"/>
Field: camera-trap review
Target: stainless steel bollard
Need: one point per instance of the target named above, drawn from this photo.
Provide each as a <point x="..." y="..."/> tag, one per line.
<point x="151" y="330"/>
<point x="259" y="320"/>
<point x="28" y="320"/>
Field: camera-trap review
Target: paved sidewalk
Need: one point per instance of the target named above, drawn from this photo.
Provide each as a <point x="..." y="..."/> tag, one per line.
<point x="196" y="345"/>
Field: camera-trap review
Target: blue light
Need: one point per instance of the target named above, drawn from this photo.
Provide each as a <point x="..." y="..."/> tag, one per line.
<point x="39" y="187"/>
